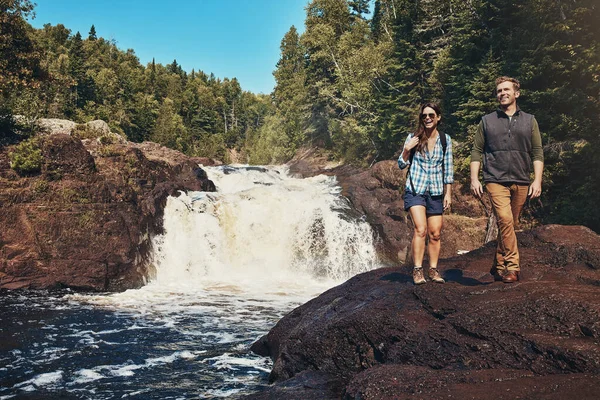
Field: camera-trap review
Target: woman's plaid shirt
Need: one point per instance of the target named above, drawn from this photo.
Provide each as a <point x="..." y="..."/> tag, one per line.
<point x="426" y="169"/>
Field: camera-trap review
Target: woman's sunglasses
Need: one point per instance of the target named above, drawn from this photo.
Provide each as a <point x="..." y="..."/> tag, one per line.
<point x="431" y="115"/>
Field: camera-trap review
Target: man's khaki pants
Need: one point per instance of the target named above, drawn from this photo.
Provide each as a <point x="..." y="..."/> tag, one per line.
<point x="507" y="201"/>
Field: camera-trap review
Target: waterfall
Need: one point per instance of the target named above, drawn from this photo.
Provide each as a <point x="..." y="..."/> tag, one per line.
<point x="262" y="226"/>
<point x="229" y="265"/>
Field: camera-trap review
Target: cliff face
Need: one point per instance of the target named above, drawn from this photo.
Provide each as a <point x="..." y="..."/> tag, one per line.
<point x="85" y="221"/>
<point x="377" y="336"/>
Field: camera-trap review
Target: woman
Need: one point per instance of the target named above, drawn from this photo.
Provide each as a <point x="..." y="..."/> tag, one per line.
<point x="428" y="187"/>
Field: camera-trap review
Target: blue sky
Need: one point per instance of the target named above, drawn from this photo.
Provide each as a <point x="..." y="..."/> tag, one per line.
<point x="230" y="38"/>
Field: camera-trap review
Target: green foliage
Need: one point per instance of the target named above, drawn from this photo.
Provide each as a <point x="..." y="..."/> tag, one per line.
<point x="41" y="186"/>
<point x="12" y="129"/>
<point x="19" y="58"/>
<point x="109" y="150"/>
<point x="92" y="33"/>
<point x="270" y="144"/>
<point x="26" y="158"/>
<point x="170" y="130"/>
<point x="83" y="131"/>
<point x="106" y="139"/>
<point x="352" y="141"/>
<point x="572" y="188"/>
<point x="349" y="84"/>
<point x="209" y="145"/>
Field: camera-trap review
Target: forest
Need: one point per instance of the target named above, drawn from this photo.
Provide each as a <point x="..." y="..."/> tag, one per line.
<point x="350" y="83"/>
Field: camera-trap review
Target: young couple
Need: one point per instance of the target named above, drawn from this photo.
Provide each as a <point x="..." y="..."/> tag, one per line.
<point x="506" y="141"/>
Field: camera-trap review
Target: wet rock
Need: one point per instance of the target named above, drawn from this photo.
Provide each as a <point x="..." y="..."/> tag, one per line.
<point x="383" y="337"/>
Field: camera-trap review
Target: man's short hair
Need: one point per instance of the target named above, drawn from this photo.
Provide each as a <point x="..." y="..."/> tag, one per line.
<point x="514" y="81"/>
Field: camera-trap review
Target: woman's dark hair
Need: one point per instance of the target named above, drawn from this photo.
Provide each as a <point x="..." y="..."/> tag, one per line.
<point x="421" y="132"/>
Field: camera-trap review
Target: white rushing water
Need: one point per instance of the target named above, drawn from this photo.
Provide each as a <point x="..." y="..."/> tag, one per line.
<point x="229" y="265"/>
<point x="262" y="229"/>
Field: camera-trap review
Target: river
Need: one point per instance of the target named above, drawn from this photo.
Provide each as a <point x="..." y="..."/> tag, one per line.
<point x="229" y="265"/>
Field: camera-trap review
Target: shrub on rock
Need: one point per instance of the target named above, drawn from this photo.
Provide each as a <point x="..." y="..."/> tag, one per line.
<point x="27" y="158"/>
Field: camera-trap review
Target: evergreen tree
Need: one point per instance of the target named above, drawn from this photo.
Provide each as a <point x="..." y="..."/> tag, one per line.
<point x="359" y="7"/>
<point x="92" y="33"/>
<point x="404" y="87"/>
<point x="19" y="63"/>
<point x="175" y="68"/>
<point x="376" y="26"/>
<point x="170" y="130"/>
<point x="19" y="59"/>
<point x="290" y="93"/>
<point x="83" y="89"/>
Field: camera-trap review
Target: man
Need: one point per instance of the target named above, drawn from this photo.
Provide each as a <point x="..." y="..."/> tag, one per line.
<point x="506" y="141"/>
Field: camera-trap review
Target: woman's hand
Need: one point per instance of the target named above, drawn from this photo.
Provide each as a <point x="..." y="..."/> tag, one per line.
<point x="412" y="143"/>
<point x="408" y="147"/>
<point x="447" y="201"/>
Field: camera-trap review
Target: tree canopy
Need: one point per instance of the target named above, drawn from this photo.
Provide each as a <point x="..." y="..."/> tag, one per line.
<point x="351" y="82"/>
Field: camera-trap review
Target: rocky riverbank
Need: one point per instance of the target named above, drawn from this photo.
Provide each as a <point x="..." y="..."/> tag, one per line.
<point x="378" y="336"/>
<point x="86" y="219"/>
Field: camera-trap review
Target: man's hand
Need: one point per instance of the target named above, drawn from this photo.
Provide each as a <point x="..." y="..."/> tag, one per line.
<point x="535" y="189"/>
<point x="476" y="188"/>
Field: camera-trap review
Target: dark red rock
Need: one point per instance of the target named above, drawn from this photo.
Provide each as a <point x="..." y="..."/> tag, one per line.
<point x="379" y="336"/>
<point x="64" y="154"/>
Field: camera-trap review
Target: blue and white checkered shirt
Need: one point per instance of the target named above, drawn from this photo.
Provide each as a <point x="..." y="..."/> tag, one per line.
<point x="426" y="169"/>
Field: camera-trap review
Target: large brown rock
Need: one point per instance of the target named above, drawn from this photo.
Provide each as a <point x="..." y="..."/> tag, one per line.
<point x="86" y="220"/>
<point x="378" y="336"/>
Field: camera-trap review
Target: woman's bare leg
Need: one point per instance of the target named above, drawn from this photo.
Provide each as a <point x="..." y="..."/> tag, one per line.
<point x="434" y="230"/>
<point x="419" y="219"/>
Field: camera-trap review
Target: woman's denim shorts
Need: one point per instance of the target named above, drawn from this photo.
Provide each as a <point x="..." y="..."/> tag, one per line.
<point x="434" y="205"/>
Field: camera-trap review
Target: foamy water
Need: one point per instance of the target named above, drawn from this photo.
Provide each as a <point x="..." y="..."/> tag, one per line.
<point x="228" y="267"/>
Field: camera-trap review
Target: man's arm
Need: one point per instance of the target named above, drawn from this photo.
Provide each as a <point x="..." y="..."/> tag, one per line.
<point x="476" y="187"/>
<point x="448" y="177"/>
<point x="535" y="189"/>
<point x="476" y="156"/>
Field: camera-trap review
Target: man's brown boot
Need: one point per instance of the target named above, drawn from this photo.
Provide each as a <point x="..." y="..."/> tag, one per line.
<point x="498" y="274"/>
<point x="510" y="277"/>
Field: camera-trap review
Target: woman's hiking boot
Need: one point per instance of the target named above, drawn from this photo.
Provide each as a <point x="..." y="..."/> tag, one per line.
<point x="418" y="277"/>
<point x="435" y="276"/>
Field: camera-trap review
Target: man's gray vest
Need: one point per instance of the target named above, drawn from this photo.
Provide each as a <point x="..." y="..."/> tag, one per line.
<point x="507" y="149"/>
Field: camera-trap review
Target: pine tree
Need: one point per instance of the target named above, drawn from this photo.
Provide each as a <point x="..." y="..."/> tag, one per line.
<point x="405" y="85"/>
<point x="92" y="33"/>
<point x="359" y="7"/>
<point x="290" y="94"/>
<point x="376" y="26"/>
<point x="83" y="90"/>
<point x="19" y="58"/>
